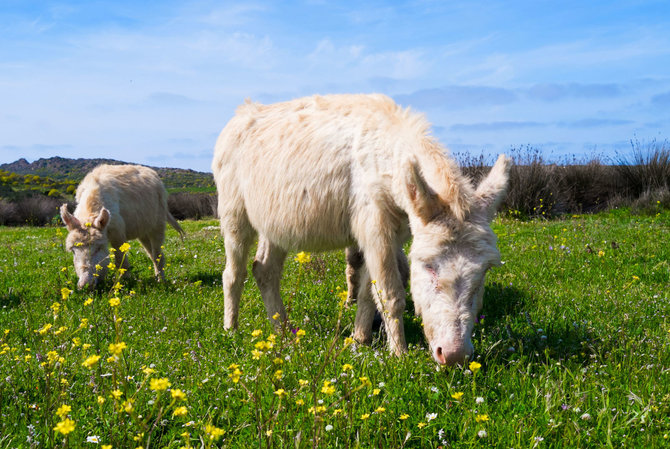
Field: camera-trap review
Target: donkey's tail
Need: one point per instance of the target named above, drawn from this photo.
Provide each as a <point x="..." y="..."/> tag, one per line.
<point x="175" y="225"/>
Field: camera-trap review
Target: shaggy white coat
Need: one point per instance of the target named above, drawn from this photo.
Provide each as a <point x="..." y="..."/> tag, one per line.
<point x="320" y="173"/>
<point x="117" y="203"/>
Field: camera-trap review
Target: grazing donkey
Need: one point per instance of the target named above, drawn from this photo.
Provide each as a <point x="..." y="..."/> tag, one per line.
<point x="328" y="172"/>
<point x="116" y="203"/>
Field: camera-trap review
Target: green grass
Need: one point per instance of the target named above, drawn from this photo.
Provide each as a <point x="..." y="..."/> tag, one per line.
<point x="573" y="346"/>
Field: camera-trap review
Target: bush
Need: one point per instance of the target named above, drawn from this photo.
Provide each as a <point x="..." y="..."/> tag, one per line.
<point x="534" y="188"/>
<point x="192" y="205"/>
<point x="649" y="169"/>
<point x="8" y="213"/>
<point x="37" y="210"/>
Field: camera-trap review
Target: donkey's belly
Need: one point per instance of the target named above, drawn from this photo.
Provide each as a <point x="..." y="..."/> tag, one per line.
<point x="302" y="221"/>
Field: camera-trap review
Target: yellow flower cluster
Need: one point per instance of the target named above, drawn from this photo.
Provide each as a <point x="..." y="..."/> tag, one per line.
<point x="327" y="389"/>
<point x="91" y="361"/>
<point x="303" y="257"/>
<point x="159" y="384"/>
<point x="235" y="372"/>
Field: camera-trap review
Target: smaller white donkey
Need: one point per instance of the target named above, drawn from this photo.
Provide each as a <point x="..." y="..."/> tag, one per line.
<point x="116" y="203"/>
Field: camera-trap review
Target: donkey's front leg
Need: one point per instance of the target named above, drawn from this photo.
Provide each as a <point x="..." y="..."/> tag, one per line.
<point x="388" y="293"/>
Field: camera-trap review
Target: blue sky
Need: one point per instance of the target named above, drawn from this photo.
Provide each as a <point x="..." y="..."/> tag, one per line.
<point x="154" y="82"/>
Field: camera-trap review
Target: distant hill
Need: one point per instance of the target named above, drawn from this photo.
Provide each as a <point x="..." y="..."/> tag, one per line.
<point x="73" y="170"/>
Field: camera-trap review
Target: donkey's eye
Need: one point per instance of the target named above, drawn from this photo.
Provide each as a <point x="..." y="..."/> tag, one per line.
<point x="429" y="267"/>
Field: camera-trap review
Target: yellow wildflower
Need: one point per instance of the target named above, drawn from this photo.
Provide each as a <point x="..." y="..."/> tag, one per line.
<point x="303" y="382"/>
<point x="85" y="346"/>
<point x="125" y="247"/>
<point x="281" y="393"/>
<point x="44" y="329"/>
<point x="63" y="410"/>
<point x="114" y="302"/>
<point x="159" y="384"/>
<point x="278" y="374"/>
<point x="178" y="394"/>
<point x="343" y="295"/>
<point x="365" y="416"/>
<point x="65" y="293"/>
<point x="327" y="388"/>
<point x="106" y="446"/>
<point x="474" y="367"/>
<point x="117" y="348"/>
<point x="116" y="394"/>
<point x="277" y="361"/>
<point x="180" y="411"/>
<point x="458" y="395"/>
<point x="421" y="425"/>
<point x="90" y="361"/>
<point x="365" y="381"/>
<point x="300" y="402"/>
<point x="404" y="416"/>
<point x="303" y="257"/>
<point x="55" y="308"/>
<point x="256" y="333"/>
<point x="65" y="426"/>
<point x="214" y="432"/>
<point x="276" y="316"/>
<point x="347" y="367"/>
<point x="148" y="371"/>
<point x="482" y="418"/>
<point x="380" y="410"/>
<point x="101" y="400"/>
<point x="376" y="391"/>
<point x="235" y="373"/>
<point x="52" y="356"/>
<point x="127" y="406"/>
<point x="256" y="354"/>
<point x="348" y="341"/>
<point x="83" y="323"/>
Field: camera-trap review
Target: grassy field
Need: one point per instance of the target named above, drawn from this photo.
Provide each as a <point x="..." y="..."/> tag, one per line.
<point x="572" y="350"/>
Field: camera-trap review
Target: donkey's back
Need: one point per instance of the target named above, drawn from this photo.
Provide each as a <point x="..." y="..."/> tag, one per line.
<point x="298" y="170"/>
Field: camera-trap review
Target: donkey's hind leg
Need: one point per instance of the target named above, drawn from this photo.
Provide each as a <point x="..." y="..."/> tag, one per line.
<point x="267" y="269"/>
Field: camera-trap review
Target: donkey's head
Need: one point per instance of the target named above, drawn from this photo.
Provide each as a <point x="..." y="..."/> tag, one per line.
<point x="88" y="244"/>
<point x="451" y="253"/>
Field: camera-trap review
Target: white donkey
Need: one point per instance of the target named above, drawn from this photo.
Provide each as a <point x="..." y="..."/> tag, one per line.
<point x="320" y="173"/>
<point x="116" y="203"/>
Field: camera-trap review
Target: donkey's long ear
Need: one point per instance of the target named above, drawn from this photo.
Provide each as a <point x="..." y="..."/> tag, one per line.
<point x="423" y="200"/>
<point x="102" y="219"/>
<point x="492" y="189"/>
<point x="71" y="222"/>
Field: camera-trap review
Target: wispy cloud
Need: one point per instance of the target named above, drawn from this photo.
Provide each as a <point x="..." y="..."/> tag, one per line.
<point x="594" y="123"/>
<point x="661" y="100"/>
<point x="557" y="91"/>
<point x="457" y="97"/>
<point x="495" y="126"/>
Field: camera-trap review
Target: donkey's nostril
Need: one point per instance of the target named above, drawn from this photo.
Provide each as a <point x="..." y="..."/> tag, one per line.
<point x="439" y="356"/>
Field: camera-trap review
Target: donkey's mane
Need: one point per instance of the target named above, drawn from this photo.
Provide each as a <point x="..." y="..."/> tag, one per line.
<point x="443" y="175"/>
